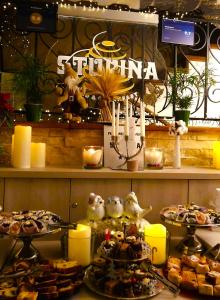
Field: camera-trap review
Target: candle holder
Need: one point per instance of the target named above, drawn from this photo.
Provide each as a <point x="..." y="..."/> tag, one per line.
<point x="126" y="156"/>
<point x="153" y="158"/>
<point x="92" y="157"/>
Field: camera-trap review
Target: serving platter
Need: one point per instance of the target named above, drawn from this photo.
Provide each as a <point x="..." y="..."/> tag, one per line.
<point x="87" y="280"/>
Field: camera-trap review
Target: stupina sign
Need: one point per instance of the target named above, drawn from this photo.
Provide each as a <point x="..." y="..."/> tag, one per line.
<point x="104" y="54"/>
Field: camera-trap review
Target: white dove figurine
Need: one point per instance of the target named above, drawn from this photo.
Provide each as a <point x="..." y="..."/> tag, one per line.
<point x="132" y="208"/>
<point x="96" y="207"/>
<point x="114" y="207"/>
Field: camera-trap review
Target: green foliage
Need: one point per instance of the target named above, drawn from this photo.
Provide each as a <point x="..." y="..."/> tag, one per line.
<point x="34" y="79"/>
<point x="185" y="85"/>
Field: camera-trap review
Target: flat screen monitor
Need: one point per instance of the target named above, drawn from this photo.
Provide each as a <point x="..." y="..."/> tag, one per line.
<point x="178" y="32"/>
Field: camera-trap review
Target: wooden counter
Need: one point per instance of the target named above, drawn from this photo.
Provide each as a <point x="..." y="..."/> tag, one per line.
<point x="59" y="189"/>
<point x="105" y="173"/>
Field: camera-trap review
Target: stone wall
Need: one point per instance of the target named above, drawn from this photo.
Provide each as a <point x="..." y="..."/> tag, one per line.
<point x="64" y="145"/>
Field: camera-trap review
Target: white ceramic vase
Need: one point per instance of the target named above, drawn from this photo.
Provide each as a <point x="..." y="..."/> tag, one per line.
<point x="177" y="153"/>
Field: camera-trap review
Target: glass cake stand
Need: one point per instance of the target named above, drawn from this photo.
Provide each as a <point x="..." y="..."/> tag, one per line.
<point x="28" y="251"/>
<point x="190" y="243"/>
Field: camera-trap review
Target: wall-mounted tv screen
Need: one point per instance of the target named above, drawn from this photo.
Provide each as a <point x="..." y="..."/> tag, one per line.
<point x="178" y="32"/>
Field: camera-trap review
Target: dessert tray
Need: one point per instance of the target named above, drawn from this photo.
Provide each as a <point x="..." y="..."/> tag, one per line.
<point x="195" y="273"/>
<point x="27" y="225"/>
<point x="136" y="290"/>
<point x="191" y="217"/>
<point x="43" y="280"/>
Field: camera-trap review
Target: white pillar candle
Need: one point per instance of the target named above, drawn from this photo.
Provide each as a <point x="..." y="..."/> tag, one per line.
<point x="79" y="244"/>
<point x="142" y="115"/>
<point x="113" y="118"/>
<point x="117" y="120"/>
<point x="126" y="118"/>
<point x="131" y="111"/>
<point x="92" y="156"/>
<point x="12" y="149"/>
<point x="38" y="155"/>
<point x="22" y="147"/>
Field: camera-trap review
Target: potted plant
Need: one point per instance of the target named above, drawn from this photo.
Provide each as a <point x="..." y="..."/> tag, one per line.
<point x="34" y="80"/>
<point x="183" y="86"/>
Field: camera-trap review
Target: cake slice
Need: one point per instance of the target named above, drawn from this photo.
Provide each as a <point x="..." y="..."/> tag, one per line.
<point x="27" y="296"/>
<point x="216" y="290"/>
<point x="189" y="280"/>
<point x="205" y="289"/>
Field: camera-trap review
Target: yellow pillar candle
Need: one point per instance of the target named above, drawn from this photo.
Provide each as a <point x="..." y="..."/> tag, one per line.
<point x="22" y="147"/>
<point x="216" y="155"/>
<point x="12" y="149"/>
<point x="156" y="236"/>
<point x="79" y="244"/>
<point x="38" y="155"/>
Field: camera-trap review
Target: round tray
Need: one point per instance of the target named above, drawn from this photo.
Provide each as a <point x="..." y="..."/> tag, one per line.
<point x="180" y="223"/>
<point x="32" y="235"/>
<point x="130" y="261"/>
<point x="90" y="285"/>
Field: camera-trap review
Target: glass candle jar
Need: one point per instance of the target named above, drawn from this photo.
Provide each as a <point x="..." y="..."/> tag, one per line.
<point x="92" y="157"/>
<point x="153" y="158"/>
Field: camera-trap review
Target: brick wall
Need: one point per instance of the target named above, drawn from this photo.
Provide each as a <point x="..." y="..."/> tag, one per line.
<point x="64" y="145"/>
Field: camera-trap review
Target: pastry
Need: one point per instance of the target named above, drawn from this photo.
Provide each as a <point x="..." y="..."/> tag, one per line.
<point x="66" y="267"/>
<point x="213" y="277"/>
<point x="205" y="289"/>
<point x="216" y="291"/>
<point x="174" y="276"/>
<point x="202" y="268"/>
<point x="189" y="280"/>
<point x="4" y="226"/>
<point x="14" y="228"/>
<point x="200" y="278"/>
<point x="66" y="291"/>
<point x="214" y="265"/>
<point x="29" y="227"/>
<point x="27" y="295"/>
<point x="190" y="261"/>
<point x="173" y="262"/>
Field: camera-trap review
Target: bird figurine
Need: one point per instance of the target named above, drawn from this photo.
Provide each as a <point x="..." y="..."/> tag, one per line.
<point x="96" y="207"/>
<point x="132" y="208"/>
<point x="114" y="207"/>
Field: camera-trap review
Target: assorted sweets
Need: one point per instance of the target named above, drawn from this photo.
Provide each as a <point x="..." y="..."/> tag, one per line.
<point x="195" y="273"/>
<point x="124" y="281"/>
<point x="27" y="221"/>
<point x="123" y="247"/>
<point x="120" y="269"/>
<point x="191" y="214"/>
<point x="44" y="280"/>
